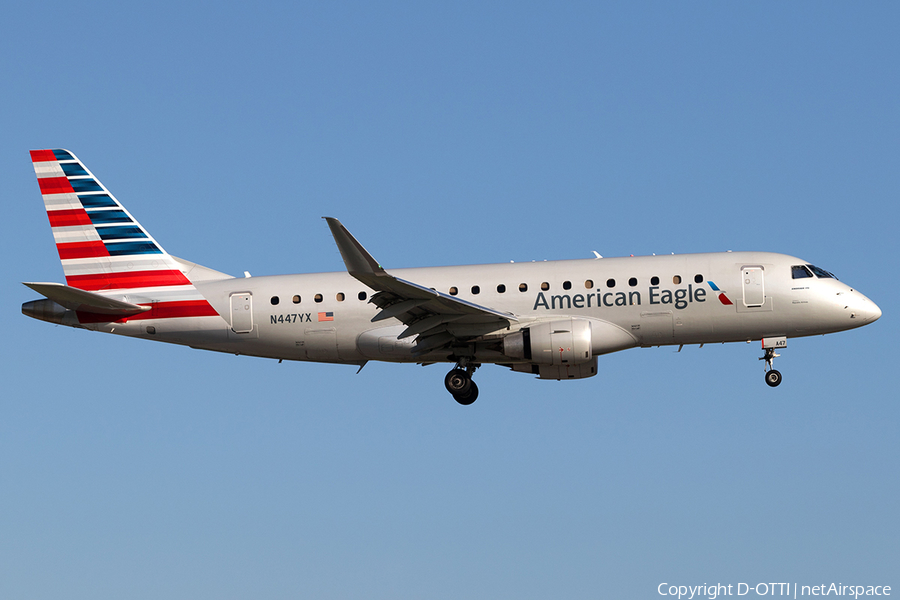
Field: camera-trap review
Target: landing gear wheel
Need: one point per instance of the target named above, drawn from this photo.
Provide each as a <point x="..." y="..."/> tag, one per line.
<point x="458" y="383"/>
<point x="773" y="378"/>
<point x="469" y="396"/>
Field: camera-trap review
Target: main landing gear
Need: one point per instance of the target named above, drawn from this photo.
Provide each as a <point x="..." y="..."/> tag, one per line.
<point x="773" y="377"/>
<point x="459" y="383"/>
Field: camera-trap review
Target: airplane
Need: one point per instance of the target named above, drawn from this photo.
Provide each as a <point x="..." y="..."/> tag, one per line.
<point x="551" y="319"/>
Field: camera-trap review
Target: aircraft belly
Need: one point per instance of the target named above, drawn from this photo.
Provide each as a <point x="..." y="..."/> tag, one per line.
<point x="383" y="344"/>
<point x="197" y="332"/>
<point x="655" y="328"/>
<point x="325" y="341"/>
<point x="320" y="344"/>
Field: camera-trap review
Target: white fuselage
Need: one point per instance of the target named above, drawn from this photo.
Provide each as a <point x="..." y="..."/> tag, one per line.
<point x="638" y="301"/>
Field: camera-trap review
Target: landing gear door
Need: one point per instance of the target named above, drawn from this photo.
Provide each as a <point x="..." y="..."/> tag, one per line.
<point x="754" y="286"/>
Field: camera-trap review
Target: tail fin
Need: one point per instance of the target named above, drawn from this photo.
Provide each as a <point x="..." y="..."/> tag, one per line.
<point x="103" y="249"/>
<point x="101" y="246"/>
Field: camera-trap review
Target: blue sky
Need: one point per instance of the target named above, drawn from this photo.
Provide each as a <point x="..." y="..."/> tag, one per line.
<point x="469" y="133"/>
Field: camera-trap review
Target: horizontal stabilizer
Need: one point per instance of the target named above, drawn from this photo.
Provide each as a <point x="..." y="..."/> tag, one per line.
<point x="80" y="300"/>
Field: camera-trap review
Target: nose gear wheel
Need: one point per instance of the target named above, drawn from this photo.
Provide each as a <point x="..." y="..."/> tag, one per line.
<point x="773" y="377"/>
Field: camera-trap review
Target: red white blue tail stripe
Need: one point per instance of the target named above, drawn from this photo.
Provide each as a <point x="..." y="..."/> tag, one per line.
<point x="103" y="249"/>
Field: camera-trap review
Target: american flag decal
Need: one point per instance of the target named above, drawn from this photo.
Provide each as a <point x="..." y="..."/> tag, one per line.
<point x="326" y="316"/>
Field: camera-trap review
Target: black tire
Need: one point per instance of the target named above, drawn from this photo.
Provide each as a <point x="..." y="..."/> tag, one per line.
<point x="773" y="378"/>
<point x="457" y="382"/>
<point x="469" y="397"/>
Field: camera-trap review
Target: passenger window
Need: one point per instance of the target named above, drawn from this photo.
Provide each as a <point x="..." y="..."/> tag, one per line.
<point x="476" y="289"/>
<point x="567" y="285"/>
<point x="632" y="282"/>
<point x="318" y="298"/>
<point x="501" y="289"/>
<point x="296" y="299"/>
<point x="275" y="300"/>
<point x="698" y="278"/>
<point x="654" y="281"/>
<point x="676" y="280"/>
<point x="523" y="287"/>
<point x="610" y="283"/>
<point x="545" y="286"/>
<point x="453" y="291"/>
<point x="362" y="296"/>
<point x="339" y="297"/>
<point x="588" y="284"/>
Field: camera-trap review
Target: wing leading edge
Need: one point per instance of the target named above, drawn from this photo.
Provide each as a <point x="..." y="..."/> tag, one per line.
<point x="439" y="320"/>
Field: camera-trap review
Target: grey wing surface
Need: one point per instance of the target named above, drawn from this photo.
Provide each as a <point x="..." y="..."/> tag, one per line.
<point x="437" y="319"/>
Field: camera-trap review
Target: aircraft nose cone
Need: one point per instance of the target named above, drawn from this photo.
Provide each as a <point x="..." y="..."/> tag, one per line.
<point x="863" y="310"/>
<point x="873" y="313"/>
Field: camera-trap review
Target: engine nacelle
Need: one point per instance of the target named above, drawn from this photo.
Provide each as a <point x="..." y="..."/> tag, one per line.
<point x="588" y="369"/>
<point x="555" y="343"/>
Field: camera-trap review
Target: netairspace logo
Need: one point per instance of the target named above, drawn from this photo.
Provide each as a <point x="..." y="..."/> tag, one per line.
<point x="713" y="591"/>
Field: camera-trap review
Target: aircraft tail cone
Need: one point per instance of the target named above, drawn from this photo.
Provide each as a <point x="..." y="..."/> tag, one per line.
<point x="45" y="310"/>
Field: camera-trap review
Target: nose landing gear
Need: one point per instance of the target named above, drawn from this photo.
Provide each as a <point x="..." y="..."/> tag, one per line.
<point x="460" y="385"/>
<point x="773" y="377"/>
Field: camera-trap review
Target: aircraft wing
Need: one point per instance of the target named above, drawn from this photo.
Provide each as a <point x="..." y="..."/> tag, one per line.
<point x="438" y="319"/>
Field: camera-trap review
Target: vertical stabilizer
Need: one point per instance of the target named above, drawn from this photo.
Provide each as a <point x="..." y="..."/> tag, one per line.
<point x="103" y="249"/>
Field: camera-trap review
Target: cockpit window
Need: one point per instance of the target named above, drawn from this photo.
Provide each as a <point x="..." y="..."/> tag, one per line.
<point x="821" y="272"/>
<point x="800" y="271"/>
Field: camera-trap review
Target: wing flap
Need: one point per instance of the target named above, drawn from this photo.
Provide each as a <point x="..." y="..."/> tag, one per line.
<point x="398" y="308"/>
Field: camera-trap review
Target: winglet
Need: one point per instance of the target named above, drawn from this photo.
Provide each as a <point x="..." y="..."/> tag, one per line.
<point x="357" y="259"/>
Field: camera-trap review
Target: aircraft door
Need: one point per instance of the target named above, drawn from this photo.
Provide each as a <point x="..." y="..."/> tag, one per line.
<point x="754" y="288"/>
<point x="242" y="312"/>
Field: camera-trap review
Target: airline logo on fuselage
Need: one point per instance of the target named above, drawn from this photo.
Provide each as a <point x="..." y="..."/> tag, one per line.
<point x="679" y="298"/>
